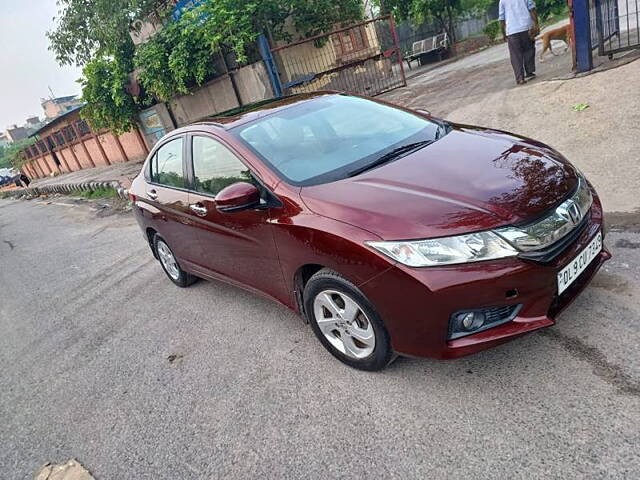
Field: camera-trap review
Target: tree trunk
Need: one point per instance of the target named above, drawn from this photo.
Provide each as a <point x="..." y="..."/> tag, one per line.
<point x="451" y="25"/>
<point x="446" y="25"/>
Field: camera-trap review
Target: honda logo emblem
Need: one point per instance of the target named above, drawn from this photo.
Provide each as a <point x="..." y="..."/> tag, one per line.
<point x="570" y="212"/>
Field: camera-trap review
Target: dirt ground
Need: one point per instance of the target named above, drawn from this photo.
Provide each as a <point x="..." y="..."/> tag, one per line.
<point x="601" y="140"/>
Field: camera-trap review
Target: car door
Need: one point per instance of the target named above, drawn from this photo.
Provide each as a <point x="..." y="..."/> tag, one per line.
<point x="167" y="192"/>
<point x="240" y="245"/>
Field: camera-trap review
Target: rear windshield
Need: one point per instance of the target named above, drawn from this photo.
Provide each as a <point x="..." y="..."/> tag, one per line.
<point x="324" y="139"/>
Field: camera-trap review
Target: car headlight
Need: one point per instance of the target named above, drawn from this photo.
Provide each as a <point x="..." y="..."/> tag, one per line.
<point x="473" y="247"/>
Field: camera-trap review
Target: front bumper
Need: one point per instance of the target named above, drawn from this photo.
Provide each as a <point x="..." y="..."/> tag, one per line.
<point x="417" y="303"/>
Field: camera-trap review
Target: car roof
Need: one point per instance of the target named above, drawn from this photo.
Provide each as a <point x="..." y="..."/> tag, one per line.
<point x="250" y="112"/>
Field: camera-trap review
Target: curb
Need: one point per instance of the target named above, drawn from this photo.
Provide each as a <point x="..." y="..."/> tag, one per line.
<point x="68" y="188"/>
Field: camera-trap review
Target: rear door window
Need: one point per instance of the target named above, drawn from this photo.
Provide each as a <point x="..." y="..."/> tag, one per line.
<point x="167" y="166"/>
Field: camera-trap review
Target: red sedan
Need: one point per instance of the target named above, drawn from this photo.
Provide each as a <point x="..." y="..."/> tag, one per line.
<point x="390" y="231"/>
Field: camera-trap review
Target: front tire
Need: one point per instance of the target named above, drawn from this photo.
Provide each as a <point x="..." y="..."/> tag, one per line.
<point x="346" y="323"/>
<point x="170" y="265"/>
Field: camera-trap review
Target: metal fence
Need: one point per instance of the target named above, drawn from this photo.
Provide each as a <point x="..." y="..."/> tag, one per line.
<point x="408" y="33"/>
<point x="363" y="58"/>
<point x="614" y="25"/>
<point x="617" y="25"/>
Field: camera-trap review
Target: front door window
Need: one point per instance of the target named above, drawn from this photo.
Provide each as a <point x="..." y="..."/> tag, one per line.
<point x="215" y="167"/>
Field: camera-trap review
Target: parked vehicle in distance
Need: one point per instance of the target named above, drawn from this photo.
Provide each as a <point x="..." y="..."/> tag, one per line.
<point x="390" y="231"/>
<point x="10" y="176"/>
<point x="5" y="176"/>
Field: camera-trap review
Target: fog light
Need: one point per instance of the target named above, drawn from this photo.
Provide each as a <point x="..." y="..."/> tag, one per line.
<point x="470" y="321"/>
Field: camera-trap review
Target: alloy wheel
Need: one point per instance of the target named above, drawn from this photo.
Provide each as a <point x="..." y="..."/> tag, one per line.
<point x="344" y="324"/>
<point x="168" y="260"/>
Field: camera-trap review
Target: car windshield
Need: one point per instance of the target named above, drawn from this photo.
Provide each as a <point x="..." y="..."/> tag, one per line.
<point x="330" y="137"/>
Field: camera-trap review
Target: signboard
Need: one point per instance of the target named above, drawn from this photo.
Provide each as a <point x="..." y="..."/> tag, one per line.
<point x="184" y="6"/>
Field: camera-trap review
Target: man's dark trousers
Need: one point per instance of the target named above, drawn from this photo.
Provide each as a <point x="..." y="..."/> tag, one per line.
<point x="522" y="50"/>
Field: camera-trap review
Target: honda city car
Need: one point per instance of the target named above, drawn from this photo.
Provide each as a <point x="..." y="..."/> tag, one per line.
<point x="390" y="231"/>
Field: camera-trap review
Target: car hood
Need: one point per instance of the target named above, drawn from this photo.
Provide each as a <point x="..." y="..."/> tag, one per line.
<point x="471" y="179"/>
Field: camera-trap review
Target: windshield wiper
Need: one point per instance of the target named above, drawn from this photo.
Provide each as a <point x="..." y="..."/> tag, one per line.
<point x="393" y="154"/>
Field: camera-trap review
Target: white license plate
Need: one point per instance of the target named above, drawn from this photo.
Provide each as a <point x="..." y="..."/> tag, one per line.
<point x="575" y="267"/>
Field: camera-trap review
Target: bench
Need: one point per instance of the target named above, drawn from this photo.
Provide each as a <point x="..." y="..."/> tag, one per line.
<point x="438" y="44"/>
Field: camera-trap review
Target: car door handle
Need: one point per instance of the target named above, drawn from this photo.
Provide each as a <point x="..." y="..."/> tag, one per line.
<point x="198" y="209"/>
<point x="152" y="194"/>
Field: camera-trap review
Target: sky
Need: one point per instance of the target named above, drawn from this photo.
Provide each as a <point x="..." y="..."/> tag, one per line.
<point x="27" y="67"/>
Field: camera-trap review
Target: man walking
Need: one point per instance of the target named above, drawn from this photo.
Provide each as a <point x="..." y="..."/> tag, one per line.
<point x="519" y="23"/>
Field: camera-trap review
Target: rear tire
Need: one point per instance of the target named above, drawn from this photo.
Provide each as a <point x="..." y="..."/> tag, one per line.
<point x="346" y="322"/>
<point x="170" y="264"/>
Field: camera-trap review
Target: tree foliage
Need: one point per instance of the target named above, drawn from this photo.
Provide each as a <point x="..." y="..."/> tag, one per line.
<point x="86" y="29"/>
<point x="546" y="8"/>
<point x="95" y="35"/>
<point x="443" y="13"/>
<point x="104" y="89"/>
<point x="492" y="29"/>
<point x="5" y="162"/>
<point x="180" y="55"/>
<point x="10" y="155"/>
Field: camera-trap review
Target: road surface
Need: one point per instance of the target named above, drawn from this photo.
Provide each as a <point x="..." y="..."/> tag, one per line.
<point x="104" y="360"/>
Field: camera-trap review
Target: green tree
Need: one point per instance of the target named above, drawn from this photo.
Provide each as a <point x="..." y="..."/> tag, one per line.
<point x="95" y="34"/>
<point x="4" y="162"/>
<point x="546" y="8"/>
<point x="179" y="57"/>
<point x="104" y="89"/>
<point x="443" y="13"/>
<point x="11" y="156"/>
<point x="86" y="29"/>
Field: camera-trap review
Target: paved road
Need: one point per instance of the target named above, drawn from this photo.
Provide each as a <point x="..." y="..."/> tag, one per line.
<point x="88" y="324"/>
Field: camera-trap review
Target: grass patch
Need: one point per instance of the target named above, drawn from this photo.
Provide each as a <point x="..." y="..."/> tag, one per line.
<point x="97" y="193"/>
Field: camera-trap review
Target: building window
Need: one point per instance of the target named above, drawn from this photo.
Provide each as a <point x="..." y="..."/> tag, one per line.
<point x="41" y="146"/>
<point x="59" y="139"/>
<point x="83" y="128"/>
<point x="350" y="41"/>
<point x="69" y="134"/>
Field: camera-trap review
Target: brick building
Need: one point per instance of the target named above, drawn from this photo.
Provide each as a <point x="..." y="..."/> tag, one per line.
<point x="67" y="144"/>
<point x="15" y="133"/>
<point x="57" y="106"/>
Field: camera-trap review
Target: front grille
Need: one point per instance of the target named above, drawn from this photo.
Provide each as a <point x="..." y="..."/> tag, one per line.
<point x="545" y="238"/>
<point x="547" y="255"/>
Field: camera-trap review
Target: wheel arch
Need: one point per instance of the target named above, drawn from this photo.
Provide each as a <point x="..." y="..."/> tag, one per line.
<point x="151" y="234"/>
<point x="300" y="279"/>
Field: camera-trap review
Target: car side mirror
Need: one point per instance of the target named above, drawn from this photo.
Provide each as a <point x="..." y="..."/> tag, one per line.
<point x="237" y="197"/>
<point x="423" y="111"/>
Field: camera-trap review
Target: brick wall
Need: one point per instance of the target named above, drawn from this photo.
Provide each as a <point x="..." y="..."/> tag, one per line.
<point x="77" y="147"/>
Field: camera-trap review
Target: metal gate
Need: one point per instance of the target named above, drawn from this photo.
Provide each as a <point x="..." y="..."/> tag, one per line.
<point x="362" y="58"/>
<point x="617" y="25"/>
